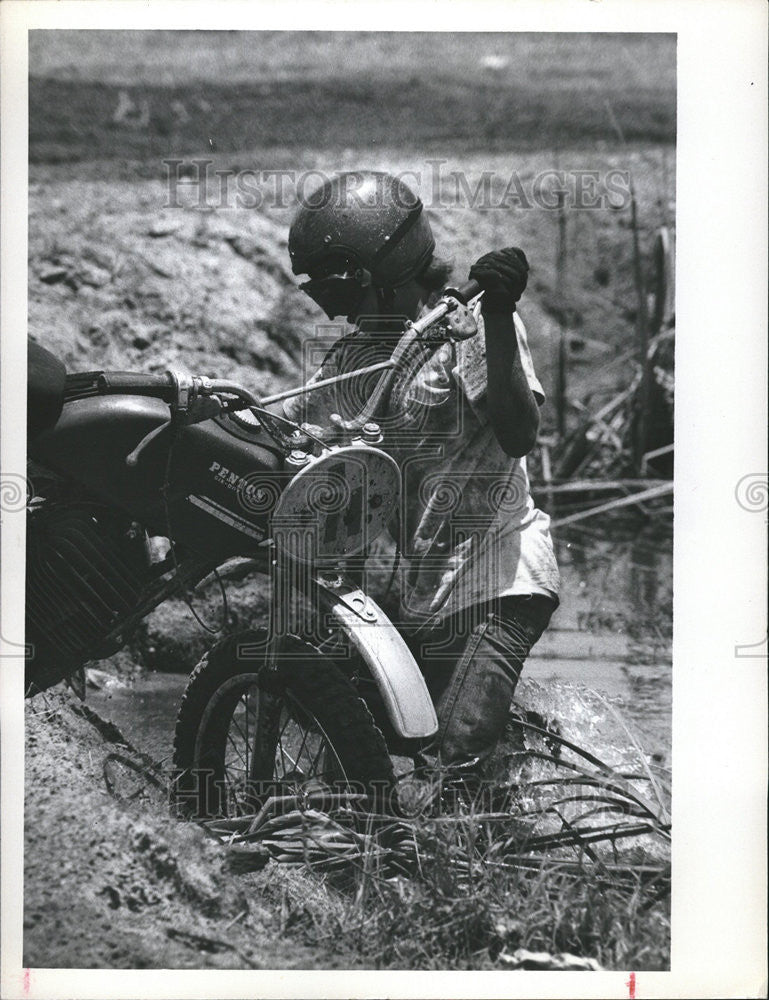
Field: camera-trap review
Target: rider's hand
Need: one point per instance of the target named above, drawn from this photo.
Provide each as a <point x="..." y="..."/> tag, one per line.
<point x="502" y="274"/>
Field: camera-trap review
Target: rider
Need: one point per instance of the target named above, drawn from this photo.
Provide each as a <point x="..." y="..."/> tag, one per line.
<point x="478" y="579"/>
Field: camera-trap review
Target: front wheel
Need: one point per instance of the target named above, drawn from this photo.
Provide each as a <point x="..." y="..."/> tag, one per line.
<point x="244" y="734"/>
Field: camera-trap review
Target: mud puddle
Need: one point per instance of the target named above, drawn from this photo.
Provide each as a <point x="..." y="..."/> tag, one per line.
<point x="611" y="635"/>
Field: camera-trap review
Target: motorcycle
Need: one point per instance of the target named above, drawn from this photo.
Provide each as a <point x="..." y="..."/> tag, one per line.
<point x="330" y="690"/>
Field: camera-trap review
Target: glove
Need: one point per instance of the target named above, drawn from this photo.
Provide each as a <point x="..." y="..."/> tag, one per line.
<point x="502" y="274"/>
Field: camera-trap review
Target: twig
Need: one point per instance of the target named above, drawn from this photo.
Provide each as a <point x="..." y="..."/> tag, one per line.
<point x="650" y="494"/>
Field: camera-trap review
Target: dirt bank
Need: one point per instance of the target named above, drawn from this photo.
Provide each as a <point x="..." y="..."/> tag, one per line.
<point x="113" y="881"/>
<point x="135" y="273"/>
<point x="142" y="889"/>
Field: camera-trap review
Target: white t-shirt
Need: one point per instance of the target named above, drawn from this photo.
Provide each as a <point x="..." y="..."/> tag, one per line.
<point x="469" y="530"/>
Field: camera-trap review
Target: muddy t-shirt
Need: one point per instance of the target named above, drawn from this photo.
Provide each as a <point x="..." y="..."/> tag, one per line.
<point x="468" y="527"/>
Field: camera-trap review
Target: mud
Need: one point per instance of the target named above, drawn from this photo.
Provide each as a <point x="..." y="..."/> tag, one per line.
<point x="141" y="889"/>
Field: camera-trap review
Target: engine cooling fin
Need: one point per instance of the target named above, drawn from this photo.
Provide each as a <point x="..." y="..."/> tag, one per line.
<point x="83" y="577"/>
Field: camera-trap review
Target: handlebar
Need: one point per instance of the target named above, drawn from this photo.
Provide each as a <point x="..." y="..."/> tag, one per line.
<point x="451" y="298"/>
<point x="195" y="398"/>
<point x="465" y="292"/>
<point x="119" y="383"/>
<point x="172" y="386"/>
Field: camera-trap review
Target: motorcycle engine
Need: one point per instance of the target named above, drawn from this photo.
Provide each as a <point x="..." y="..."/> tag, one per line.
<point x="86" y="569"/>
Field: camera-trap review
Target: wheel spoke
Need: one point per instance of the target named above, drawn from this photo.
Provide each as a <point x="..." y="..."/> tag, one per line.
<point x="244" y="754"/>
<point x="248" y="742"/>
<point x="294" y="763"/>
<point x="317" y="757"/>
<point x="302" y="745"/>
<point x="236" y="748"/>
<point x="255" y="743"/>
<point x="284" y="727"/>
<point x="236" y="724"/>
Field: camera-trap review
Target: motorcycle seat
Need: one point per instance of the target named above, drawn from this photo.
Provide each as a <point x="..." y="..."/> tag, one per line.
<point x="46" y="377"/>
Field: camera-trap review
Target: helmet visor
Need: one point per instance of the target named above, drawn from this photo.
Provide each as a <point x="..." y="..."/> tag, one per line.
<point x="338" y="294"/>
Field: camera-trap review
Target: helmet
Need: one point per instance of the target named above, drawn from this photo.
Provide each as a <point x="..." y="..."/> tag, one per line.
<point x="358" y="229"/>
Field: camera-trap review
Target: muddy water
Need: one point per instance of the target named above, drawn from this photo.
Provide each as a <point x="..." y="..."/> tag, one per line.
<point x="606" y="653"/>
<point x="144" y="712"/>
<point x="612" y="632"/>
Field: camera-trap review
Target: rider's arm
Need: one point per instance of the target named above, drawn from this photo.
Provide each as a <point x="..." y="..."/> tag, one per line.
<point x="512" y="406"/>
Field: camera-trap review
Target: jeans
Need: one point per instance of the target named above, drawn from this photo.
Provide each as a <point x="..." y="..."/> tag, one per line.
<point x="472" y="663"/>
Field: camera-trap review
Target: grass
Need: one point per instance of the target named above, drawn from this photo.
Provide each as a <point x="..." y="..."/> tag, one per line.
<point x="435" y="923"/>
<point x="165" y="57"/>
<point x="439" y="923"/>
<point x="446" y="917"/>
<point x="570" y="859"/>
<point x="192" y="92"/>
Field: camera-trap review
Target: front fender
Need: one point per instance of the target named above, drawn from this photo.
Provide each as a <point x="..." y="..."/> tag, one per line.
<point x="388" y="658"/>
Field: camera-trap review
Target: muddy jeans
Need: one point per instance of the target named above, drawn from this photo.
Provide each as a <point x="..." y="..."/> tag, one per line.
<point x="472" y="664"/>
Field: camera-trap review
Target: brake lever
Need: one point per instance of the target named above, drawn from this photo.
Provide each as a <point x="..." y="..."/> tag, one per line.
<point x="197" y="410"/>
<point x="132" y="458"/>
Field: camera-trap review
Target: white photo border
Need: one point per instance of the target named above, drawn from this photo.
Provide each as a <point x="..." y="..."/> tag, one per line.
<point x="719" y="693"/>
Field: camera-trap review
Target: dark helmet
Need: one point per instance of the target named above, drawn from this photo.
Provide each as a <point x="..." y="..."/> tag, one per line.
<point x="357" y="229"/>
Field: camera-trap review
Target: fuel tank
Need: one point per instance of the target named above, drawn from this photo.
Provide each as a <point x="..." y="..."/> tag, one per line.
<point x="213" y="488"/>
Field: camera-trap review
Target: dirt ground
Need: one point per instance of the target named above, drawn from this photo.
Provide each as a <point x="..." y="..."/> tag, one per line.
<point x="142" y="889"/>
<point x="123" y="274"/>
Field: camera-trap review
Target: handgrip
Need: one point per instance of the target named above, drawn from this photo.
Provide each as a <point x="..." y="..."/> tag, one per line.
<point x="116" y="383"/>
<point x="464" y="292"/>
